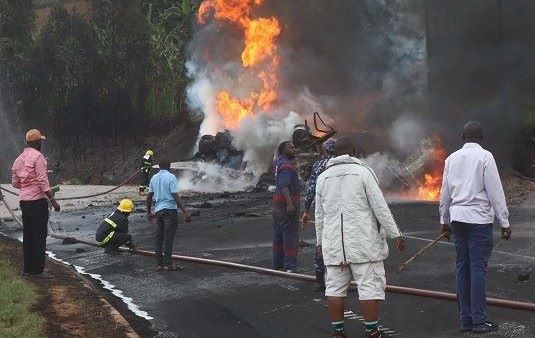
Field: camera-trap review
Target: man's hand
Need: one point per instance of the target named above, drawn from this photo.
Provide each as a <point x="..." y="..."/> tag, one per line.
<point x="319" y="250"/>
<point x="304" y="219"/>
<point x="55" y="205"/>
<point x="290" y="209"/>
<point x="400" y="243"/>
<point x="151" y="216"/>
<point x="187" y="216"/>
<point x="446" y="228"/>
<point x="506" y="233"/>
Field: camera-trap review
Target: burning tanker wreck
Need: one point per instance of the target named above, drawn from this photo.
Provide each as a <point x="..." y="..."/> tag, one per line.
<point x="257" y="74"/>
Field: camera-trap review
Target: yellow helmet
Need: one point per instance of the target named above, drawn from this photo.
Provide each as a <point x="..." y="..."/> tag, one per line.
<point x="149" y="152"/>
<point x="126" y="205"/>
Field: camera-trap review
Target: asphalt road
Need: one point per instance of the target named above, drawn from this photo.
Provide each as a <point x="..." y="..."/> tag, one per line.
<point x="206" y="301"/>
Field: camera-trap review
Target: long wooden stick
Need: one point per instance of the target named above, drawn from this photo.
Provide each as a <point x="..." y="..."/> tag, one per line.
<point x="435" y="241"/>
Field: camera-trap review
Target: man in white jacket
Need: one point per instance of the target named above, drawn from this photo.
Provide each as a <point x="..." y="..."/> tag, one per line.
<point x="353" y="221"/>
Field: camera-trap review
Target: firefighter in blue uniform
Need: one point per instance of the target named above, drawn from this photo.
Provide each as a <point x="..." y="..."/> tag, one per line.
<point x="113" y="231"/>
<point x="286" y="210"/>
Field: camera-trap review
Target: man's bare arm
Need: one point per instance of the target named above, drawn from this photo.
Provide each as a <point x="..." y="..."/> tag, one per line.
<point x="180" y="204"/>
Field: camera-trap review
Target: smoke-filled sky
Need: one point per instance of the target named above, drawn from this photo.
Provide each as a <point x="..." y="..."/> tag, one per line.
<point x="348" y="59"/>
<point x="366" y="63"/>
<point x="361" y="63"/>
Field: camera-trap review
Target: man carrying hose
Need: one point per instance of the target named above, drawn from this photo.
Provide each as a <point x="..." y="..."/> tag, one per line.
<point x="352" y="224"/>
<point x="113" y="231"/>
<point x="470" y="199"/>
<point x="30" y="175"/>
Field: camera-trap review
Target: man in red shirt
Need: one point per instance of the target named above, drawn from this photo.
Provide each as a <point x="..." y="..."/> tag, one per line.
<point x="30" y="175"/>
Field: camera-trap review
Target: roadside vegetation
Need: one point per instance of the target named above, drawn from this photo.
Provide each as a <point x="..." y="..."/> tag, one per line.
<point x="17" y="297"/>
<point x="115" y="68"/>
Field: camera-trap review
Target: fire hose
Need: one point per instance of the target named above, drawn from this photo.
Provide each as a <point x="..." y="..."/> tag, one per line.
<point x="101" y="193"/>
<point x="11" y="212"/>
<point x="505" y="303"/>
<point x="85" y="196"/>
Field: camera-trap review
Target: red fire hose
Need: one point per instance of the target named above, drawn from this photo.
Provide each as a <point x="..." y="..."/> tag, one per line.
<point x="390" y="288"/>
<point x="85" y="196"/>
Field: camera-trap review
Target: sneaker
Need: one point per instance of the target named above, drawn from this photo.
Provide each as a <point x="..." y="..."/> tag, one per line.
<point x="295" y="270"/>
<point x="484" y="328"/>
<point x="374" y="334"/>
<point x="160" y="268"/>
<point x="43" y="275"/>
<point x="173" y="268"/>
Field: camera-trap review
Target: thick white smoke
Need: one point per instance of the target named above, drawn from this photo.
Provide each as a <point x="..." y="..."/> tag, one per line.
<point x="258" y="137"/>
<point x="406" y="133"/>
<point x="375" y="71"/>
<point x="209" y="177"/>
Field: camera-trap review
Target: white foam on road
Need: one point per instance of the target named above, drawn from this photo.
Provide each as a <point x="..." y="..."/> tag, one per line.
<point x="106" y="285"/>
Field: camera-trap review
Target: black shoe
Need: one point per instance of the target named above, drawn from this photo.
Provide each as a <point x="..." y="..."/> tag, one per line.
<point x="485" y="328"/>
<point x="466" y="327"/>
<point x="112" y="252"/>
<point x="319" y="284"/>
<point x="43" y="275"/>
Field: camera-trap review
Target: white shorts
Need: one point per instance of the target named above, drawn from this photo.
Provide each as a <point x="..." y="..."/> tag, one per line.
<point x="370" y="279"/>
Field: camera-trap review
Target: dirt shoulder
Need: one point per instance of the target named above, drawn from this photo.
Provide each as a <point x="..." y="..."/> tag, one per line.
<point x="70" y="306"/>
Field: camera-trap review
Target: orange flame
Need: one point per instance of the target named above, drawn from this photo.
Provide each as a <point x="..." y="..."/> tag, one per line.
<point x="429" y="189"/>
<point x="259" y="55"/>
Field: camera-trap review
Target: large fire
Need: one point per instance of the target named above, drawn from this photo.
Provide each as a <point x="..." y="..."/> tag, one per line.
<point x="429" y="188"/>
<point x="259" y="56"/>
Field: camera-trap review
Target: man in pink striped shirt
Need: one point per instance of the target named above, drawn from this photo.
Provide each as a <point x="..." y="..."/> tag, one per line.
<point x="30" y="175"/>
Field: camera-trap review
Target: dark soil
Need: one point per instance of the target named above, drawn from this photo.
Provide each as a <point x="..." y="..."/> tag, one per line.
<point x="70" y="307"/>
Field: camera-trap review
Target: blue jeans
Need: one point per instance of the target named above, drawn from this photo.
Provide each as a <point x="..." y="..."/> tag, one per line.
<point x="473" y="243"/>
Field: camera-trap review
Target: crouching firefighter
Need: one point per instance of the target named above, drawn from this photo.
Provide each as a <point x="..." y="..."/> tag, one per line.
<point x="145" y="169"/>
<point x="113" y="231"/>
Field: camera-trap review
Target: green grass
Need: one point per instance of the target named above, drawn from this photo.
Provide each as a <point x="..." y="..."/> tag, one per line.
<point x="44" y="3"/>
<point x="16" y="299"/>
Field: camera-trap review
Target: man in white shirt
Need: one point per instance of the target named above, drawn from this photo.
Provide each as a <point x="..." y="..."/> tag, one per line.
<point x="470" y="199"/>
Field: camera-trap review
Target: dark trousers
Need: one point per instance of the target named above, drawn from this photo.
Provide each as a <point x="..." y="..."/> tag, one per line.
<point x="166" y="225"/>
<point x="118" y="239"/>
<point x="145" y="179"/>
<point x="35" y="220"/>
<point x="285" y="239"/>
<point x="473" y="243"/>
<point x="319" y="265"/>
